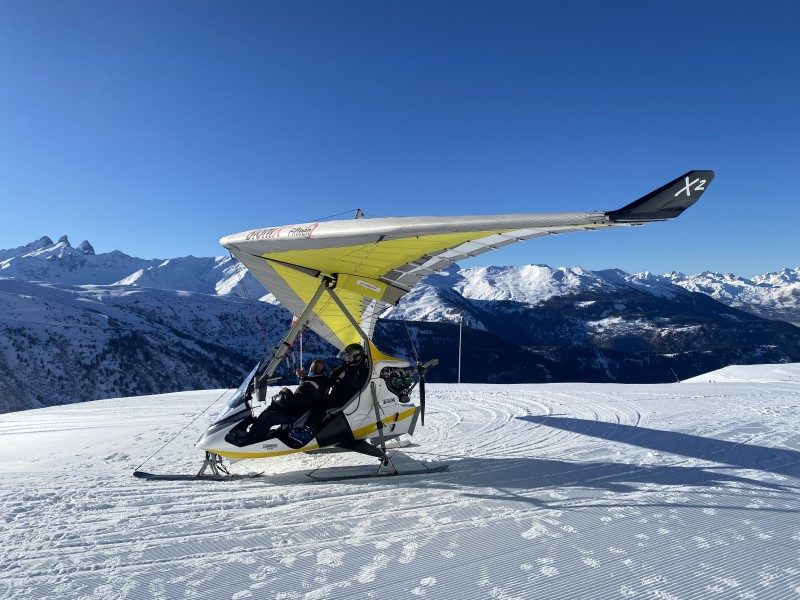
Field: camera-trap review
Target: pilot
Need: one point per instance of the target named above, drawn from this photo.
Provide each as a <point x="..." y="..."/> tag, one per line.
<point x="348" y="378"/>
<point x="286" y="406"/>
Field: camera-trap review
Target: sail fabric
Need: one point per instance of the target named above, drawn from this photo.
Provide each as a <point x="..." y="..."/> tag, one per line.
<point x="377" y="261"/>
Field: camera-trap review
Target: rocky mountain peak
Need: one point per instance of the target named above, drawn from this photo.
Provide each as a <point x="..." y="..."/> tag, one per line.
<point x="86" y="248"/>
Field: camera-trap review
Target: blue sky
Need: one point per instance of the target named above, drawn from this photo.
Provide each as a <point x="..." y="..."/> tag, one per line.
<point x="156" y="128"/>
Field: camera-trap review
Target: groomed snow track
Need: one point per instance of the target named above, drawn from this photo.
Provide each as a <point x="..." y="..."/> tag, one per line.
<point x="554" y="491"/>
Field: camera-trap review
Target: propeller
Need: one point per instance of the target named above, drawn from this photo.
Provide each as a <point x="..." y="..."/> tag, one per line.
<point x="422" y="398"/>
<point x="421" y="369"/>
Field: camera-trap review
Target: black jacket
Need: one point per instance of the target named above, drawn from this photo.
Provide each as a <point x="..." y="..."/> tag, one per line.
<point x="308" y="394"/>
<point x="346" y="381"/>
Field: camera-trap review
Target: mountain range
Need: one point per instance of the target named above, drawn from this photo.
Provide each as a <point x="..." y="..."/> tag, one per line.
<point x="773" y="296"/>
<point x="77" y="325"/>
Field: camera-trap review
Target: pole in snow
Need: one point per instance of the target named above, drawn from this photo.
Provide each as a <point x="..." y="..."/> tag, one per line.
<point x="460" y="324"/>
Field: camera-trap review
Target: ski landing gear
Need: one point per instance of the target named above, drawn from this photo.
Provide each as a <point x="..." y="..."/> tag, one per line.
<point x="386" y="468"/>
<point x="212" y="462"/>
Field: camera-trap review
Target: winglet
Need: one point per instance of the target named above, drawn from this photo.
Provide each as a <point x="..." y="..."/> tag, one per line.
<point x="667" y="202"/>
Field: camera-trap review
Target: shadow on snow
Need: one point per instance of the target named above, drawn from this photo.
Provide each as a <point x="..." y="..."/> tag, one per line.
<point x="782" y="461"/>
<point x="517" y="479"/>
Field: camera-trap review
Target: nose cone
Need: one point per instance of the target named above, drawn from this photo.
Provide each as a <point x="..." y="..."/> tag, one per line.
<point x="214" y="439"/>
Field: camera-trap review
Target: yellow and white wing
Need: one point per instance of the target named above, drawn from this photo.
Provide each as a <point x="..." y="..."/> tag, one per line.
<point x="376" y="261"/>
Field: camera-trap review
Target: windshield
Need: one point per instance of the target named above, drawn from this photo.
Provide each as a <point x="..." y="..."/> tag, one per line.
<point x="237" y="400"/>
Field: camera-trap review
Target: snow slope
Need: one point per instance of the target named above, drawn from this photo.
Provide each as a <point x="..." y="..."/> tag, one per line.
<point x="220" y="275"/>
<point x="61" y="344"/>
<point x="752" y="373"/>
<point x="554" y="491"/>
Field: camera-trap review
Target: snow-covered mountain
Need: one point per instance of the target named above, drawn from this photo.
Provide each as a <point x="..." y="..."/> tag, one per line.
<point x="540" y="323"/>
<point x="62" y="344"/>
<point x="27" y="248"/>
<point x="456" y="293"/>
<point x="219" y="275"/>
<point x="59" y="262"/>
<point x="441" y="297"/>
<point x="77" y="325"/>
<point x="772" y="296"/>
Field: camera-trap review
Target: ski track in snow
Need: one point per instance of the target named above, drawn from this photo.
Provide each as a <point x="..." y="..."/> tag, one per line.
<point x="554" y="491"/>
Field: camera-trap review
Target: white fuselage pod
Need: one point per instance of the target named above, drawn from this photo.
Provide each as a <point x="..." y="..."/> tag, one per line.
<point x="359" y="415"/>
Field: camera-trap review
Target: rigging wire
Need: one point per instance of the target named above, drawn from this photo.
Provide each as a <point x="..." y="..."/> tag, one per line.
<point x="181" y="430"/>
<point x="254" y="313"/>
<point x="372" y="215"/>
<point x="411" y="341"/>
<point x="344" y="212"/>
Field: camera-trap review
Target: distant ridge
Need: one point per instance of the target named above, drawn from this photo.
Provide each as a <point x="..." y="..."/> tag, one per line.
<point x="76" y="325"/>
<point x="774" y="295"/>
<point x="771" y="296"/>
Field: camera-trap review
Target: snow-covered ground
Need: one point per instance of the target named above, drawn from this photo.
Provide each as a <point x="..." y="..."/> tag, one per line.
<point x="687" y="490"/>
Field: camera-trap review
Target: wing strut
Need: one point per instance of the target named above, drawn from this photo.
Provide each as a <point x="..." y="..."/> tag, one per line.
<point x="265" y="371"/>
<point x="353" y="322"/>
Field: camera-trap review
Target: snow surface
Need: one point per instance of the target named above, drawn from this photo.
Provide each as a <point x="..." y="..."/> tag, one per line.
<point x="752" y="373"/>
<point x="685" y="490"/>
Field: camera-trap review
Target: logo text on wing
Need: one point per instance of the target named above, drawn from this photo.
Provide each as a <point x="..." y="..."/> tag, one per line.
<point x="701" y="185"/>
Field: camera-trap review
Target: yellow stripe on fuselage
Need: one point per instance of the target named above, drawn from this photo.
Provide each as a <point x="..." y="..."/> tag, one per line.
<point x="373" y="427"/>
<point x="359" y="433"/>
<point x="231" y="454"/>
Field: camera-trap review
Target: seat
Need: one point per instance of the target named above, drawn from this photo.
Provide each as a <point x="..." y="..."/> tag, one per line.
<point x="286" y="427"/>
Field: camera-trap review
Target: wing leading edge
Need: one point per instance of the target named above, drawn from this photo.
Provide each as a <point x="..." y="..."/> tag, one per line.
<point x="376" y="261"/>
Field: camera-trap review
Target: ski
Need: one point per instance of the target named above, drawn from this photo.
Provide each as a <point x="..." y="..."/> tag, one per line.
<point x="178" y="477"/>
<point x="426" y="470"/>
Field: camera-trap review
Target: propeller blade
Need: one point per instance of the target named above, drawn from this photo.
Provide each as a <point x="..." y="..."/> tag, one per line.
<point x="422" y="398"/>
<point x="422" y="368"/>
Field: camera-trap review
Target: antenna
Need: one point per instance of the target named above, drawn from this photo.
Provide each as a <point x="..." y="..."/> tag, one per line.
<point x="359" y="214"/>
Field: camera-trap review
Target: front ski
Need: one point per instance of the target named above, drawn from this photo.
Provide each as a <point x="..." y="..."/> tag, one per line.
<point x="177" y="477"/>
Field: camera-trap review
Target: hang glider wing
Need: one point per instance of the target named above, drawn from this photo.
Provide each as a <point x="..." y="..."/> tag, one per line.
<point x="376" y="261"/>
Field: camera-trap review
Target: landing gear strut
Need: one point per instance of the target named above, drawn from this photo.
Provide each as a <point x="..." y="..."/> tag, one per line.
<point x="213" y="462"/>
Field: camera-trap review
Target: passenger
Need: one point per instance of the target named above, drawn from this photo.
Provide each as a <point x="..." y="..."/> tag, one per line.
<point x="313" y="387"/>
<point x="348" y="378"/>
<point x="286" y="407"/>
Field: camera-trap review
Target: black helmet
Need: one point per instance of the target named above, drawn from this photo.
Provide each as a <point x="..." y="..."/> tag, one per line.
<point x="354" y="353"/>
